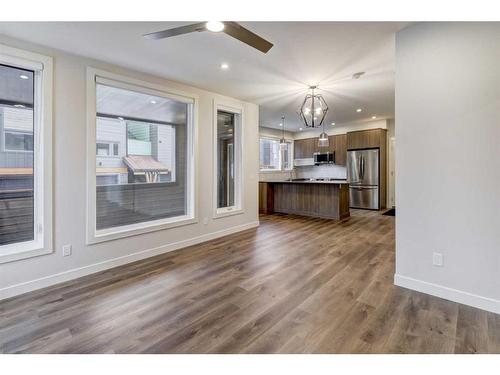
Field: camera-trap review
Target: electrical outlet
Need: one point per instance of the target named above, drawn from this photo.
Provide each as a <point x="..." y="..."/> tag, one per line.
<point x="66" y="250"/>
<point x="437" y="259"/>
<point x="205" y="220"/>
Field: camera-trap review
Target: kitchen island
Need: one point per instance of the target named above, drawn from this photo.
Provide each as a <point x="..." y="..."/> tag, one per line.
<point x="327" y="199"/>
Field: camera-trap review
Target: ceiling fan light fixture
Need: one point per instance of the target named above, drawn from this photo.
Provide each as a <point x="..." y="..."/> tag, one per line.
<point x="215" y="26"/>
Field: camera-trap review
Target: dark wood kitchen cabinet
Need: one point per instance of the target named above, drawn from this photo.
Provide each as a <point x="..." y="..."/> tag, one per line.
<point x="305" y="148"/>
<point x="338" y="145"/>
<point x="339" y="142"/>
<point x="371" y="138"/>
<point x="266" y="198"/>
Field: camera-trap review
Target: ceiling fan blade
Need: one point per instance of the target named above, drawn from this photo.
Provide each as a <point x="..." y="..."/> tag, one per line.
<point x="177" y="31"/>
<point x="237" y="31"/>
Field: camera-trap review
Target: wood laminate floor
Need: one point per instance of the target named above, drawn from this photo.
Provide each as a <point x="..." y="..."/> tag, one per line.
<point x="293" y="285"/>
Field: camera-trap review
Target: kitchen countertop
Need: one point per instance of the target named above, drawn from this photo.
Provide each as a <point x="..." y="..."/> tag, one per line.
<point x="331" y="182"/>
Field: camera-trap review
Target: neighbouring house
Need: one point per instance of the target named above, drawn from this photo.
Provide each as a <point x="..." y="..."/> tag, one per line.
<point x="133" y="151"/>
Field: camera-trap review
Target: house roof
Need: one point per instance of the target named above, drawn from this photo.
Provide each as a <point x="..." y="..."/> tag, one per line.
<point x="144" y="163"/>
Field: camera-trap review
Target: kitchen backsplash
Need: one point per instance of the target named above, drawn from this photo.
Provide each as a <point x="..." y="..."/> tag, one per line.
<point x="319" y="171"/>
<point x="276" y="176"/>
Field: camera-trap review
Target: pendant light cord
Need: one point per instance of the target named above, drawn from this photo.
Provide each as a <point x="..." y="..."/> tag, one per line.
<point x="283" y="127"/>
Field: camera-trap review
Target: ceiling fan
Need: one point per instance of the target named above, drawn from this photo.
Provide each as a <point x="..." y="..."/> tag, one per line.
<point x="230" y="28"/>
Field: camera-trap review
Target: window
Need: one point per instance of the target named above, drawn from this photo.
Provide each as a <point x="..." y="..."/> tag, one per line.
<point x="18" y="141"/>
<point x="107" y="149"/>
<point x="287" y="156"/>
<point x="273" y="157"/>
<point x="269" y="154"/>
<point x="25" y="170"/>
<point x="143" y="163"/>
<point x="227" y="146"/>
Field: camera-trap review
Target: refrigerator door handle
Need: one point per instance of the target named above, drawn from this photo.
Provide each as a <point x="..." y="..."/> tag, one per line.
<point x="362" y="167"/>
<point x="360" y="175"/>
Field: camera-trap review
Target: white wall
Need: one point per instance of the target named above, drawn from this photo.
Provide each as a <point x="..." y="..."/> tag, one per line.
<point x="70" y="183"/>
<point x="448" y="160"/>
<point x="391" y="163"/>
<point x="274" y="133"/>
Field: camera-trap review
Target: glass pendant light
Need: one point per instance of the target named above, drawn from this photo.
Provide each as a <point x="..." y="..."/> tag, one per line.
<point x="323" y="140"/>
<point x="282" y="140"/>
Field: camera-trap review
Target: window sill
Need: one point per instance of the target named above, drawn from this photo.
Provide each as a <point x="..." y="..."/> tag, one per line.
<point x="224" y="212"/>
<point x="140" y="228"/>
<point x="23" y="254"/>
<point x="19" y="151"/>
<point x="275" y="170"/>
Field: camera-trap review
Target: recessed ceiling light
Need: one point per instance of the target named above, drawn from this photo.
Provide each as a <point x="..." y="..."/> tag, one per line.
<point x="358" y="110"/>
<point x="333" y="123"/>
<point x="357" y="75"/>
<point x="18" y="105"/>
<point x="374" y="117"/>
<point x="214" y="26"/>
<point x="120" y="118"/>
<point x="22" y="76"/>
<point x="281" y="124"/>
<point x="300" y="129"/>
<point x="224" y="66"/>
<point x="153" y="102"/>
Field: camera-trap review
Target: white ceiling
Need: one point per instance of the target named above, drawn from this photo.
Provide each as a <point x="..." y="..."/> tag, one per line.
<point x="118" y="102"/>
<point x="304" y="53"/>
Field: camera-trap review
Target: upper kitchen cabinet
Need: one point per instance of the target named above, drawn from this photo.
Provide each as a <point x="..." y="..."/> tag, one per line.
<point x="305" y="148"/>
<point x="371" y="138"/>
<point x="339" y="143"/>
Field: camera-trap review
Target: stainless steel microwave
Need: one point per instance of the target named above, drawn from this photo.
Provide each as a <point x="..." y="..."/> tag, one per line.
<point x="324" y="158"/>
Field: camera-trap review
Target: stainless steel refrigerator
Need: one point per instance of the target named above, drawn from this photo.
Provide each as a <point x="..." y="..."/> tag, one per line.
<point x="363" y="177"/>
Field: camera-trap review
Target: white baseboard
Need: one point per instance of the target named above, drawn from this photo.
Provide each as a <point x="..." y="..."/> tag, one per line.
<point x="455" y="295"/>
<point x="28" y="286"/>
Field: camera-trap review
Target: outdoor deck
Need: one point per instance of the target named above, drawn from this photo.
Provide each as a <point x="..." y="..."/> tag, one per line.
<point x="16" y="216"/>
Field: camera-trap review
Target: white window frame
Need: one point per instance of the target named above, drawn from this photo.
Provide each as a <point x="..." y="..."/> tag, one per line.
<point x="238" y="152"/>
<point x="42" y="148"/>
<point x="96" y="236"/>
<point x="280" y="162"/>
